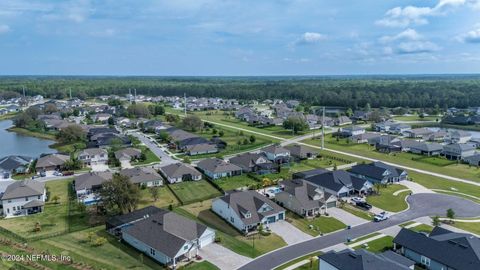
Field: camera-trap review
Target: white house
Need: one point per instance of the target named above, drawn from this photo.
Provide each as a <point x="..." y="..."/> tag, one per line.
<point x="93" y="156"/>
<point x="245" y="210"/>
<point x="23" y="198"/>
<point x="276" y="153"/>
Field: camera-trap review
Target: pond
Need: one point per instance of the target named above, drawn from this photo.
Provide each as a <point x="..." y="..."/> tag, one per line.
<point x="12" y="143"/>
<point x="475" y="134"/>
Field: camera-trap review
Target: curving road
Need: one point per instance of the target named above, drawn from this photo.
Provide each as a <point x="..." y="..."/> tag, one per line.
<point x="420" y="205"/>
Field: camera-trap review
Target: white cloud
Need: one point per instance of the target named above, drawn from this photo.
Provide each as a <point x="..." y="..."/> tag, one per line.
<point x="413" y="15"/>
<point x="4" y="28"/>
<point x="310" y="38"/>
<point x="472" y="36"/>
<point x="408" y="34"/>
<point x="109" y="32"/>
<point x="407" y="42"/>
<point x="412" y="47"/>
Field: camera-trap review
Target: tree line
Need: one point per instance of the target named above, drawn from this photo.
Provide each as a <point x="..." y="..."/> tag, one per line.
<point x="355" y="92"/>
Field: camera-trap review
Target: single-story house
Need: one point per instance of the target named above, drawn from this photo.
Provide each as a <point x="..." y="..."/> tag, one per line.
<point x="143" y="176"/>
<point x="341" y="183"/>
<point x="23" y="198"/>
<point x="304" y="198"/>
<point x="93" y="156"/>
<point x="51" y="162"/>
<point x="215" y="168"/>
<point x="441" y="249"/>
<point x="422" y="148"/>
<point x="363" y="260"/>
<point x="253" y="162"/>
<point x="14" y="164"/>
<point x="127" y="154"/>
<point x="200" y="149"/>
<point x="379" y="172"/>
<point x="367" y="137"/>
<point x="419" y="133"/>
<point x="301" y="152"/>
<point x="351" y="131"/>
<point x="162" y="235"/>
<point x="179" y="172"/>
<point x="342" y="120"/>
<point x="245" y="210"/>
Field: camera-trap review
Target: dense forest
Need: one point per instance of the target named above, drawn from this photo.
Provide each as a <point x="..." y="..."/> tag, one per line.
<point x="346" y="91"/>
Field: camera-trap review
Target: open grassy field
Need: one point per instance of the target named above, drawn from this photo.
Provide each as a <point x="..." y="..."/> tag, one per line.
<point x="416" y="117"/>
<point x="406" y="159"/>
<point x="193" y="191"/>
<point x="52" y="220"/>
<point x="230" y="237"/>
<point x="110" y="255"/>
<point x="320" y="225"/>
<point x="165" y="198"/>
<point x="387" y="201"/>
<point x="473" y="227"/>
<point x="379" y="245"/>
<point x="231" y="183"/>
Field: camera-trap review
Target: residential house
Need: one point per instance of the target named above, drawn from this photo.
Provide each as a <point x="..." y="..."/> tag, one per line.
<point x="437" y="136"/>
<point x="201" y="148"/>
<point x="458" y="136"/>
<point x="22" y="198"/>
<point x="93" y="156"/>
<point x="304" y="198"/>
<point x="154" y="126"/>
<point x="162" y="235"/>
<point x="441" y="249"/>
<point x="107" y="138"/>
<point x="276" y="154"/>
<point x="87" y="186"/>
<point x="128" y="154"/>
<point x="254" y="162"/>
<point x="10" y="165"/>
<point x="179" y="172"/>
<point x="351" y="131"/>
<point x="215" y="168"/>
<point x="292" y="103"/>
<point x="245" y="210"/>
<point x="101" y="117"/>
<point x="400" y="128"/>
<point x="387" y="144"/>
<point x="363" y="260"/>
<point x="301" y="152"/>
<point x="379" y="172"/>
<point x="52" y="162"/>
<point x="458" y="151"/>
<point x="143" y="176"/>
<point x="361" y="116"/>
<point x="422" y="148"/>
<point x="419" y="133"/>
<point x="309" y="173"/>
<point x="473" y="160"/>
<point x="340" y="183"/>
<point x="367" y="137"/>
<point x="342" y="121"/>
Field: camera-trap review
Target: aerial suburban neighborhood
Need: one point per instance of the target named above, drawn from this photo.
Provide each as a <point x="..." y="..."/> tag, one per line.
<point x="240" y="135"/>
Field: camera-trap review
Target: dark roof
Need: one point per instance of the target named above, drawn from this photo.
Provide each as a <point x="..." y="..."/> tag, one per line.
<point x="120" y="220"/>
<point x="10" y="163"/>
<point x="217" y="165"/>
<point x="91" y="179"/>
<point x="248" y="160"/>
<point x="334" y="180"/>
<point x="178" y="170"/>
<point x="166" y="231"/>
<point x="455" y="250"/>
<point x="376" y="170"/>
<point x="309" y="173"/>
<point x="360" y="260"/>
<point x="139" y="175"/>
<point x="300" y="150"/>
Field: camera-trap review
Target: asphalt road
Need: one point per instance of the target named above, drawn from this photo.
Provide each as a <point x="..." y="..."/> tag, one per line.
<point x="420" y="205"/>
<point x="165" y="159"/>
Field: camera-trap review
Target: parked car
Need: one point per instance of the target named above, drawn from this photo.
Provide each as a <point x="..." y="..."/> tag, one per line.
<point x="68" y="173"/>
<point x="380" y="217"/>
<point x="364" y="205"/>
<point x="357" y="199"/>
<point x="43" y="174"/>
<point x="56" y="173"/>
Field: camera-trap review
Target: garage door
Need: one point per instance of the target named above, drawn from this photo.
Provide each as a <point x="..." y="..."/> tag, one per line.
<point x="207" y="239"/>
<point x="331" y="204"/>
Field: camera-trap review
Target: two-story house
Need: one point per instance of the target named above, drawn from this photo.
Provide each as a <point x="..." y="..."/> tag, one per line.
<point x="23" y="198"/>
<point x="458" y="151"/>
<point x="93" y="156"/>
<point x="277" y="154"/>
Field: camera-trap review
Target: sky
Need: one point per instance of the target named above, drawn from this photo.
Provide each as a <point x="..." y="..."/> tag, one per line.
<point x="239" y="38"/>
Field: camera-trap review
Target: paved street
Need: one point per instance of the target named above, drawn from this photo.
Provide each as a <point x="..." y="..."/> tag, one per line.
<point x="165" y="159"/>
<point x="420" y="205"/>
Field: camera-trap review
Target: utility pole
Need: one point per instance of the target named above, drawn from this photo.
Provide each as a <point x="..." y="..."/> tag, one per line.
<point x="23" y="87"/>
<point x="323" y="128"/>
<point x="130" y="95"/>
<point x="185" y="103"/>
<point x="135" y="96"/>
<point x="70" y="93"/>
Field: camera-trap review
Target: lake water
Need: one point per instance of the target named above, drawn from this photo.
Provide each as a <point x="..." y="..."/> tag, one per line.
<point x="12" y="143"/>
<point x="475" y="134"/>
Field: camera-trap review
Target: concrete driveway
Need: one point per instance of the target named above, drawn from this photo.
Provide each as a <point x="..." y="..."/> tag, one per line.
<point x="99" y="167"/>
<point x="288" y="232"/>
<point x="222" y="257"/>
<point x="346" y="217"/>
<point x="415" y="187"/>
<point x="125" y="164"/>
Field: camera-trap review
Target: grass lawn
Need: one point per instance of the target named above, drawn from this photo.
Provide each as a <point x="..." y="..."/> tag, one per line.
<point x="313" y="265"/>
<point x="363" y="238"/>
<point x="230" y="237"/>
<point x="110" y="255"/>
<point x="321" y="224"/>
<point x="387" y="201"/>
<point x="416" y="117"/>
<point x="323" y="162"/>
<point x="438" y="161"/>
<point x="473" y="227"/>
<point x="422" y="228"/>
<point x="406" y="159"/>
<point x="150" y="157"/>
<point x="193" y="191"/>
<point x="357" y="212"/>
<point x="406" y="223"/>
<point x="26" y="132"/>
<point x="52" y="220"/>
<point x="165" y="198"/>
<point x="69" y="147"/>
<point x="205" y="265"/>
<point x="378" y="245"/>
<point x="230" y="183"/>
<point x="306" y="257"/>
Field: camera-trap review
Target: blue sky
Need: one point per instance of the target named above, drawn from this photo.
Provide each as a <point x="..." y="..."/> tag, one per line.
<point x="244" y="37"/>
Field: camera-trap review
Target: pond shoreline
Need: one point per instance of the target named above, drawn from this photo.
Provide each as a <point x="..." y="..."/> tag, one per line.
<point x="26" y="132"/>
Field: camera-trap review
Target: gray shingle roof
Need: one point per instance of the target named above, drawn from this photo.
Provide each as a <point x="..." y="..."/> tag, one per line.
<point x="456" y="250"/>
<point x="128" y="153"/>
<point x="23" y="188"/>
<point x="300" y="150"/>
<point x="217" y="165"/>
<point x="52" y="160"/>
<point x="166" y="231"/>
<point x="178" y="170"/>
<point x="360" y="260"/>
<point x="139" y="175"/>
<point x="336" y="180"/>
<point x="89" y="180"/>
<point x="304" y="192"/>
<point x="10" y="163"/>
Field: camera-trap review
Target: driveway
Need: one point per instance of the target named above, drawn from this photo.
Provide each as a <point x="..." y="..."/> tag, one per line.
<point x="165" y="159"/>
<point x="289" y="233"/>
<point x="125" y="164"/>
<point x="345" y="217"/>
<point x="415" y="187"/>
<point x="99" y="167"/>
<point x="420" y="205"/>
<point x="222" y="257"/>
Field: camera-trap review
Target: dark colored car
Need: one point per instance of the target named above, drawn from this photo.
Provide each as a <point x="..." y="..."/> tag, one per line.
<point x="364" y="205"/>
